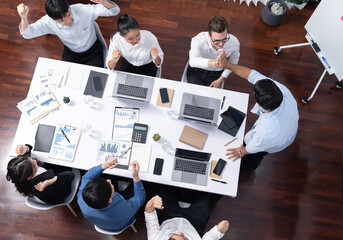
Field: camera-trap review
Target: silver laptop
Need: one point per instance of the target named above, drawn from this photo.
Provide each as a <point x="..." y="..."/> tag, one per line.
<point x="191" y="166"/>
<point x="199" y="108"/>
<point x="133" y="86"/>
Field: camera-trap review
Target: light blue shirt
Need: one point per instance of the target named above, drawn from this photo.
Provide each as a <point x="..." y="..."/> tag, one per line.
<point x="119" y="213"/>
<point x="78" y="37"/>
<point x="275" y="130"/>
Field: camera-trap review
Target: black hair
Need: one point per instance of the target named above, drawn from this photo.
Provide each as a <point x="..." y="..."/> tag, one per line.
<point x="126" y="23"/>
<point x="56" y="9"/>
<point x="218" y="24"/>
<point x="97" y="193"/>
<point x="19" y="169"/>
<point x="267" y="94"/>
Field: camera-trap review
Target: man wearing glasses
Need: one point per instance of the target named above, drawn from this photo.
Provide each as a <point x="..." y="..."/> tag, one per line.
<point x="205" y="48"/>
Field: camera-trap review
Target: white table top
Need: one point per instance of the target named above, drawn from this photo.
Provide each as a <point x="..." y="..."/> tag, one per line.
<point x="101" y="116"/>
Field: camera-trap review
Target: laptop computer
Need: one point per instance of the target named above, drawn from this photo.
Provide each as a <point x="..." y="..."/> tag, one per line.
<point x="133" y="86"/>
<point x="191" y="166"/>
<point x="199" y="109"/>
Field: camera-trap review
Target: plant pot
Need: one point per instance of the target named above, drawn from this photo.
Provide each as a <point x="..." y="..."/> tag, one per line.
<point x="270" y="18"/>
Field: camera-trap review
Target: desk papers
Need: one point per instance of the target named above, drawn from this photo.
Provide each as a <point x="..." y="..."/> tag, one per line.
<point x="124" y="119"/>
<point x="65" y="142"/>
<point x="67" y="75"/>
<point x="39" y="105"/>
<point x="114" y="148"/>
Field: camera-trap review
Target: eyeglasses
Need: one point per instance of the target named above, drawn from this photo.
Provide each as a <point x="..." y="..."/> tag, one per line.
<point x="216" y="42"/>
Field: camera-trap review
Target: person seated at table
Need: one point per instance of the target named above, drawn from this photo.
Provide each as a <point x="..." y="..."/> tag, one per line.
<point x="139" y="48"/>
<point x="102" y="204"/>
<point x="170" y="221"/>
<point x="32" y="179"/>
<point x="205" y="49"/>
<point x="74" y="25"/>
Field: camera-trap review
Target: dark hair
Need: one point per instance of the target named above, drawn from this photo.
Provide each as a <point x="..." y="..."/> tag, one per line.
<point x="97" y="193"/>
<point x="267" y="94"/>
<point x="56" y="9"/>
<point x="126" y="23"/>
<point x="218" y="24"/>
<point x="19" y="169"/>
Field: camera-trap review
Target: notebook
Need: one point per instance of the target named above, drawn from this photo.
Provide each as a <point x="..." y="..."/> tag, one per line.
<point x="44" y="136"/>
<point x="193" y="137"/>
<point x="96" y="84"/>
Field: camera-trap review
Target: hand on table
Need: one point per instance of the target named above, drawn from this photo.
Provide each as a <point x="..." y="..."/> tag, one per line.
<point x="232" y="153"/>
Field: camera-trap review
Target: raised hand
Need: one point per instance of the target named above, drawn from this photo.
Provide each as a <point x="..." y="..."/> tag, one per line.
<point x="23" y="10"/>
<point x="223" y="226"/>
<point x="21" y="149"/>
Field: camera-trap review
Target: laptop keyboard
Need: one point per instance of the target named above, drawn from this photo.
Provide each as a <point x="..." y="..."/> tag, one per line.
<point x="188" y="166"/>
<point x="200" y="112"/>
<point x="133" y="91"/>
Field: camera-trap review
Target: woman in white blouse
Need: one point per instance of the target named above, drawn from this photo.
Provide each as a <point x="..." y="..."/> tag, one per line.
<point x="139" y="48"/>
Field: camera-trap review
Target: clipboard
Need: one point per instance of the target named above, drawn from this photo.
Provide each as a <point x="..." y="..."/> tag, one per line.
<point x="65" y="142"/>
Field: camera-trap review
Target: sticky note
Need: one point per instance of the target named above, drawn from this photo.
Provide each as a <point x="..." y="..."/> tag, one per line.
<point x="342" y="18"/>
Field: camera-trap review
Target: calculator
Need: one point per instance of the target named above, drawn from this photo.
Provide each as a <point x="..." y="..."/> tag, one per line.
<point x="139" y="133"/>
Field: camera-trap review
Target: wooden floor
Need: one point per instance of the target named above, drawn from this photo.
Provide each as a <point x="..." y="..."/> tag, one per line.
<point x="294" y="194"/>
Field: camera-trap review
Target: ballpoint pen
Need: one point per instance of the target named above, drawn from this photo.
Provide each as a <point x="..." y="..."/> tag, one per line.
<point x="64" y="134"/>
<point x="223" y="103"/>
<point x="218" y="181"/>
<point x="124" y="152"/>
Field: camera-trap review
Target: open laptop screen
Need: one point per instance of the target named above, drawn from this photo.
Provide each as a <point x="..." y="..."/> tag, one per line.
<point x="193" y="155"/>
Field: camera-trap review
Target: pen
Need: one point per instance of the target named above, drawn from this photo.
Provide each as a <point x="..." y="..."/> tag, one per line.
<point x="218" y="181"/>
<point x="124" y="152"/>
<point x="222" y="103"/>
<point x="230" y="141"/>
<point x="64" y="134"/>
<point x="326" y="62"/>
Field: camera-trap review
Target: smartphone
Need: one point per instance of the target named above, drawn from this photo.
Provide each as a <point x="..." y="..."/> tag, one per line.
<point x="97" y="83"/>
<point x="219" y="167"/>
<point x="158" y="166"/>
<point x="164" y="95"/>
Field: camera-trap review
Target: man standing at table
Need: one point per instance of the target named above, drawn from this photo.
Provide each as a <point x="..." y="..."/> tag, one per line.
<point x="102" y="205"/>
<point x="74" y="25"/>
<point x="277" y="125"/>
<point x="205" y="48"/>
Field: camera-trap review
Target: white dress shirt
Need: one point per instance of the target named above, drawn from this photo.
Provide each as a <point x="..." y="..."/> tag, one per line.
<point x="78" y="37"/>
<point x="138" y="54"/>
<point x="202" y="51"/>
<point x="273" y="131"/>
<point x="175" y="225"/>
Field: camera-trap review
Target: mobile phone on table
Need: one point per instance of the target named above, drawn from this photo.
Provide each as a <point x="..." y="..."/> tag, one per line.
<point x="158" y="166"/>
<point x="97" y="83"/>
<point x="164" y="95"/>
<point x="219" y="167"/>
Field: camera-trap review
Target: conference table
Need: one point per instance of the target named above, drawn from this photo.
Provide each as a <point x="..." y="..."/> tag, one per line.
<point x="101" y="118"/>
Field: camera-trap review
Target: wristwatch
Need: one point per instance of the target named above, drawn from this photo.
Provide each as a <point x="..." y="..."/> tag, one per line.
<point x="239" y="153"/>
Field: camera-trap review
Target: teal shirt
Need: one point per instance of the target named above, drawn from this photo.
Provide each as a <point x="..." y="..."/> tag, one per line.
<point x="120" y="213"/>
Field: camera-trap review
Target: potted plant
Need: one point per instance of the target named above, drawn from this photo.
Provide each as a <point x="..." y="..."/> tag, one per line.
<point x="274" y="11"/>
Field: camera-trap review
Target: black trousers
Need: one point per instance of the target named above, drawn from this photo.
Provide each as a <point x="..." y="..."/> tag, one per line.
<point x="252" y="161"/>
<point x="197" y="214"/>
<point x="92" y="57"/>
<point x="149" y="69"/>
<point x="202" y="77"/>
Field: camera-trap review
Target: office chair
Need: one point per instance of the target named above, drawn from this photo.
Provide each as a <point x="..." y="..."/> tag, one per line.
<point x="103" y="42"/>
<point x="184" y="75"/>
<point x="117" y="232"/>
<point x="36" y="203"/>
